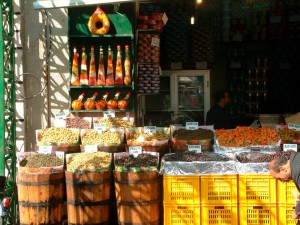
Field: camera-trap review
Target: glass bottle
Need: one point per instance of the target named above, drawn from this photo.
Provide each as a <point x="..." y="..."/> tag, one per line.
<point x="110" y="69"/>
<point x="119" y="67"/>
<point x="75" y="76"/>
<point x="92" y="74"/>
<point x="127" y="66"/>
<point x="101" y="72"/>
<point x="83" y="69"/>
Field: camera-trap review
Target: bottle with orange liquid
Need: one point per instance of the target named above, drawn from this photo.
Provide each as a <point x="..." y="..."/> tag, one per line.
<point x="83" y="69"/>
<point x="127" y="66"/>
<point x="92" y="72"/>
<point x="110" y="69"/>
<point x="75" y="76"/>
<point x="119" y="67"/>
<point x="101" y="72"/>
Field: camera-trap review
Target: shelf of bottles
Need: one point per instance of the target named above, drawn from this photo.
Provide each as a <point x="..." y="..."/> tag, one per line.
<point x="256" y="87"/>
<point x="101" y="66"/>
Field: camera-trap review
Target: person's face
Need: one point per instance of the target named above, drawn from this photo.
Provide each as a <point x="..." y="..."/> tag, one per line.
<point x="284" y="173"/>
<point x="226" y="98"/>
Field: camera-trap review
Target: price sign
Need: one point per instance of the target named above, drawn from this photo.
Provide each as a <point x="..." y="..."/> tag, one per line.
<point x="135" y="150"/>
<point x="90" y="148"/>
<point x="196" y="148"/>
<point x="109" y="114"/>
<point x="100" y="127"/>
<point x="191" y="125"/>
<point x="150" y="129"/>
<point x="45" y="149"/>
<point x="293" y="126"/>
<point x="61" y="115"/>
<point x="155" y="42"/>
<point x="292" y="147"/>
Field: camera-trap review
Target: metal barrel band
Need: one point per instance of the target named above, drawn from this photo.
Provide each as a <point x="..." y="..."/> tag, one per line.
<point x="83" y="203"/>
<point x="52" y="202"/>
<point x="133" y="203"/>
<point x="105" y="181"/>
<point x="49" y="182"/>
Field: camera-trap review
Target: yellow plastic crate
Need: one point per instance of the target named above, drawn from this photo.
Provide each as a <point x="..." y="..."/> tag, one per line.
<point x="284" y="212"/>
<point x="257" y="189"/>
<point x="219" y="189"/>
<point x="181" y="190"/>
<point x="181" y="214"/>
<point x="258" y="214"/>
<point x="285" y="192"/>
<point x="219" y="214"/>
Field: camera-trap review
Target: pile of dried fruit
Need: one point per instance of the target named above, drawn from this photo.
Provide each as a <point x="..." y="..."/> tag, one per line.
<point x="141" y="137"/>
<point x="58" y="135"/>
<point x="287" y="135"/>
<point x="199" y="134"/>
<point x="107" y="138"/>
<point x="115" y="122"/>
<point x="37" y="160"/>
<point x="89" y="162"/>
<point x="246" y="136"/>
<point x="142" y="160"/>
<point x="192" y="156"/>
<point x="77" y="122"/>
<point x="257" y="157"/>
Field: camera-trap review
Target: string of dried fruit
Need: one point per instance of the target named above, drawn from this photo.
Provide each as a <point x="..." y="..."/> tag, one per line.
<point x="115" y="122"/>
<point x="88" y="161"/>
<point x="58" y="135"/>
<point x="106" y="137"/>
<point x="38" y="160"/>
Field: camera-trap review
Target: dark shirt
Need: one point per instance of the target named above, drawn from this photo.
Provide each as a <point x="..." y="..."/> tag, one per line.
<point x="218" y="117"/>
<point x="295" y="169"/>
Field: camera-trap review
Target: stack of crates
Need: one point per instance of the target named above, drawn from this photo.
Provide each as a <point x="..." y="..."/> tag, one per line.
<point x="257" y="199"/>
<point x="219" y="199"/>
<point x="286" y="202"/>
<point x="181" y="200"/>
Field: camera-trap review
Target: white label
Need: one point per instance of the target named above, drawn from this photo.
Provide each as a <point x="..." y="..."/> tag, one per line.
<point x="61" y="115"/>
<point x="176" y="66"/>
<point x="287" y="147"/>
<point x="135" y="150"/>
<point x="90" y="148"/>
<point x="155" y="42"/>
<point x="109" y="114"/>
<point x="293" y="126"/>
<point x="100" y="127"/>
<point x="196" y="148"/>
<point x="150" y="129"/>
<point x="165" y="18"/>
<point x="191" y="125"/>
<point x="45" y="149"/>
<point x="58" y="122"/>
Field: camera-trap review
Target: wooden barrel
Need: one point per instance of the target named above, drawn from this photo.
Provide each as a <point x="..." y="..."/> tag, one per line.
<point x="138" y="197"/>
<point x="88" y="197"/>
<point x="40" y="198"/>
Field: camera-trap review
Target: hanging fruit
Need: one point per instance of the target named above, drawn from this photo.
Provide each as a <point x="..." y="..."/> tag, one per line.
<point x="77" y="104"/>
<point x="113" y="104"/>
<point x="102" y="104"/>
<point x="123" y="104"/>
<point x="99" y="22"/>
<point x="89" y="104"/>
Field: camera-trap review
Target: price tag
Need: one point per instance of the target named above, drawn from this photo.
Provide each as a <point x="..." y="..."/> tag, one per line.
<point x="191" y="125"/>
<point x="109" y="114"/>
<point x="45" y="149"/>
<point x="100" y="127"/>
<point x="196" y="148"/>
<point x="150" y="129"/>
<point x="165" y="18"/>
<point x="292" y="147"/>
<point x="293" y="126"/>
<point x="90" y="148"/>
<point x="135" y="150"/>
<point x="155" y="42"/>
<point x="61" y="115"/>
